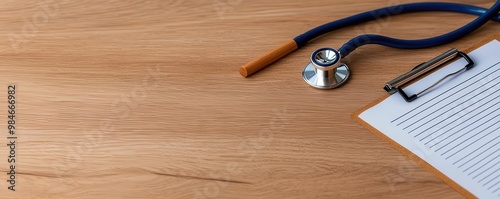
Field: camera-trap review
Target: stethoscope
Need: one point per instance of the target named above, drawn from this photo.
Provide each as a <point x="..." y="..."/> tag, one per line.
<point x="326" y="70"/>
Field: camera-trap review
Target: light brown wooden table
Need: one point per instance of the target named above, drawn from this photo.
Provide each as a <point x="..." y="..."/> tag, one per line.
<point x="142" y="99"/>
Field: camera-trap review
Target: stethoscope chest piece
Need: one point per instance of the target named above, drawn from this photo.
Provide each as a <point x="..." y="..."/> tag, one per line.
<point x="325" y="71"/>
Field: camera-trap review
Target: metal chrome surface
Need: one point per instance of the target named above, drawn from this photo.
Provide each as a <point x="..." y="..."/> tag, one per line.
<point x="327" y="79"/>
<point x="325" y="57"/>
<point x="396" y="84"/>
<point x="420" y="69"/>
<point x="325" y="70"/>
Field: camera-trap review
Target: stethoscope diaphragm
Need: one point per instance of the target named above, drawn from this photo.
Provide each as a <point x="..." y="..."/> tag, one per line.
<point x="325" y="71"/>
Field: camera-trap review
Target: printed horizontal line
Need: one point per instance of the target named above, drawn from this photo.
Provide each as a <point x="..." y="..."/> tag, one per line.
<point x="448" y="130"/>
<point x="468" y="140"/>
<point x="483" y="91"/>
<point x="486" y="170"/>
<point x="458" y="117"/>
<point x="462" y="83"/>
<point x="489" y="176"/>
<point x="480" y="161"/>
<point x="459" y="98"/>
<point x="484" y="165"/>
<point x="494" y="184"/>
<point x="477" y="150"/>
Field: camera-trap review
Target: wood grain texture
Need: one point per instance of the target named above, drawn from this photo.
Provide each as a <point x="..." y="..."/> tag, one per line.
<point x="143" y="99"/>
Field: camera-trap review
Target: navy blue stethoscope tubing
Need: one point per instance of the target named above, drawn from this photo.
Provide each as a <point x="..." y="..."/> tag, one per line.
<point x="346" y="49"/>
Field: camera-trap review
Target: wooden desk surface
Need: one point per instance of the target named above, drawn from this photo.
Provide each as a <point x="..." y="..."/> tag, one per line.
<point x="142" y="99"/>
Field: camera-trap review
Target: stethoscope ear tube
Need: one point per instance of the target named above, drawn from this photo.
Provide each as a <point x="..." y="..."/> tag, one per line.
<point x="298" y="42"/>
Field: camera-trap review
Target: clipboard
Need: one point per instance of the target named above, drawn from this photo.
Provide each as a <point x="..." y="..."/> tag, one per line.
<point x="406" y="152"/>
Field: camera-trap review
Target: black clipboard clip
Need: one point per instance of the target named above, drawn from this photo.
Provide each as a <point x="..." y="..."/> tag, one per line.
<point x="396" y="84"/>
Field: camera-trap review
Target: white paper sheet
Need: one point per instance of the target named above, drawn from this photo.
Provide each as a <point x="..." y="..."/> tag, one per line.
<point x="456" y="126"/>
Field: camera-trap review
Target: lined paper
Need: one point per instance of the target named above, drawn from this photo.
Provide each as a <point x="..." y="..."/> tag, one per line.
<point x="456" y="126"/>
